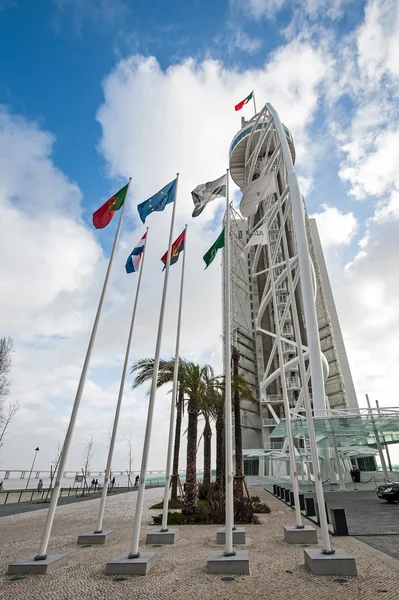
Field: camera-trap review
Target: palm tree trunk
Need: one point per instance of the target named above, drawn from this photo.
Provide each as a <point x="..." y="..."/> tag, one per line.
<point x="207" y="452"/>
<point x="219" y="451"/>
<point x="237" y="430"/>
<point x="190" y="498"/>
<point x="176" y="450"/>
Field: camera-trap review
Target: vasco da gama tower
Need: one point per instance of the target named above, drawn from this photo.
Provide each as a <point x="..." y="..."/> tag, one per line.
<point x="256" y="151"/>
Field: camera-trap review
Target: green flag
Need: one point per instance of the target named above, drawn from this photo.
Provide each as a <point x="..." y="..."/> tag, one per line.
<point x="210" y="255"/>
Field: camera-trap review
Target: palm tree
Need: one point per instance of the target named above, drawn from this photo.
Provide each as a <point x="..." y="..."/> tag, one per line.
<point x="216" y="404"/>
<point x="196" y="378"/>
<point x="145" y="369"/>
<point x="207" y="409"/>
<point x="240" y="388"/>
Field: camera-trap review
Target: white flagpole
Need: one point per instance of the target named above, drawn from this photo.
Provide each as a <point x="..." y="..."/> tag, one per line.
<point x="99" y="527"/>
<point x="42" y="554"/>
<point x="229" y="519"/>
<point x="164" y="526"/>
<point x="147" y="438"/>
<point x="253" y="98"/>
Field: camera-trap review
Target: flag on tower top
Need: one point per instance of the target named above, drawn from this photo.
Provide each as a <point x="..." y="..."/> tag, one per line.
<point x="158" y="201"/>
<point x="134" y="258"/>
<point x="210" y="255"/>
<point x="103" y="216"/>
<point x="243" y="102"/>
<point x="177" y="247"/>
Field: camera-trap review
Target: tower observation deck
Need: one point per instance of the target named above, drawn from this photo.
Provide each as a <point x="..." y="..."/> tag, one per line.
<point x="267" y="303"/>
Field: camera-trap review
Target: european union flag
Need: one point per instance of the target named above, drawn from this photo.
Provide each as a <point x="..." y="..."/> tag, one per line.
<point x="158" y="201"/>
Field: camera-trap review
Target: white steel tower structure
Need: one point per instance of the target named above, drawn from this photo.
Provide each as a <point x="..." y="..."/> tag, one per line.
<point x="283" y="312"/>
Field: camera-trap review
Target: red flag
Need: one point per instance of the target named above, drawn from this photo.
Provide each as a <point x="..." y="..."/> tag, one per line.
<point x="103" y="216"/>
<point x="177" y="247"/>
<point x="243" y="102"/>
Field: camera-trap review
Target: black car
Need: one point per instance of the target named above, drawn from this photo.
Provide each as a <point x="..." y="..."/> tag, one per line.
<point x="389" y="492"/>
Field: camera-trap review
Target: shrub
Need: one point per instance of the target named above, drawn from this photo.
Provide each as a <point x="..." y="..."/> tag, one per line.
<point x="172" y="504"/>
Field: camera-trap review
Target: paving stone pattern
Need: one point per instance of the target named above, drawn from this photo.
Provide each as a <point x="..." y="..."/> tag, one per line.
<point x="277" y="569"/>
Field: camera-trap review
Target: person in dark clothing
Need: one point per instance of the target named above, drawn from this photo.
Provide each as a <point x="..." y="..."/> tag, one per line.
<point x="112" y="482"/>
<point x="136" y="481"/>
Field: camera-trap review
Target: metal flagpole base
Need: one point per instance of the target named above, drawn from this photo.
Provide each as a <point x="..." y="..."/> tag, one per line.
<point x="131" y="564"/>
<point x="162" y="536"/>
<point x="37" y="566"/>
<point x="237" y="564"/>
<point x="96" y="537"/>
<point x="305" y="535"/>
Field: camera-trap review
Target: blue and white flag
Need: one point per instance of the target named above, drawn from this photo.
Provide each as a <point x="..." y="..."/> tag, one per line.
<point x="133" y="261"/>
<point x="158" y="201"/>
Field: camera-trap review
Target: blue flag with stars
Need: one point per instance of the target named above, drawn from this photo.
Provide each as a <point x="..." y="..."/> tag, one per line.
<point x="158" y="201"/>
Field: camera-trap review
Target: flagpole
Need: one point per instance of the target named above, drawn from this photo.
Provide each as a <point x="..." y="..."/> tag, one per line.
<point x="164" y="526"/>
<point x="42" y="554"/>
<point x="253" y="98"/>
<point x="99" y="527"/>
<point x="147" y="438"/>
<point x="228" y="551"/>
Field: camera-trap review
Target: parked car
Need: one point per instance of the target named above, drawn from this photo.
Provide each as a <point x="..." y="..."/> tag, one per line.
<point x="389" y="492"/>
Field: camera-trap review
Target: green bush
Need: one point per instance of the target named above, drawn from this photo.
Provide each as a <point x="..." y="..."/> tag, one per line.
<point x="172" y="504"/>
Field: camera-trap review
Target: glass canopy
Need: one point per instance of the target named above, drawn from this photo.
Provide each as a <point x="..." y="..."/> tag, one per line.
<point x="354" y="430"/>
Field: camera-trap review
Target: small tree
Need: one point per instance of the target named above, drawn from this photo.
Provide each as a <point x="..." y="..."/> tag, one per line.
<point x="9" y="409"/>
<point x="87" y="456"/>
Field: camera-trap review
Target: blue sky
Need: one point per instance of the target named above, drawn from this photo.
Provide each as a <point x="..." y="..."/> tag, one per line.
<point x="93" y="91"/>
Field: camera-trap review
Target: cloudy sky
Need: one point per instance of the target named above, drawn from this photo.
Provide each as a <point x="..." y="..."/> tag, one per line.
<point x="95" y="91"/>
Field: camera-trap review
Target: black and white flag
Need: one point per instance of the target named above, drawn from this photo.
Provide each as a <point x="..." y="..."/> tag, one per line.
<point x="206" y="192"/>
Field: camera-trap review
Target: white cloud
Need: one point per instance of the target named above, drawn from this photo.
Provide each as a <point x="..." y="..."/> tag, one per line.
<point x="258" y="9"/>
<point x="154" y="123"/>
<point x="336" y="229"/>
<point x="378" y="41"/>
<point x="241" y="41"/>
<point x="102" y="13"/>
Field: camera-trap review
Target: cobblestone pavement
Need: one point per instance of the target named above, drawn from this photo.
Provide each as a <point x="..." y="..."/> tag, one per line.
<point x="277" y="570"/>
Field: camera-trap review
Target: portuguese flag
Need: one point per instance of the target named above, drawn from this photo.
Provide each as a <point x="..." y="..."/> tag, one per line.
<point x="244" y="102"/>
<point x="103" y="216"/>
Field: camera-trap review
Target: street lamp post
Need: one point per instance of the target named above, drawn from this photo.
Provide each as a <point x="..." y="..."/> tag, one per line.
<point x="31" y="469"/>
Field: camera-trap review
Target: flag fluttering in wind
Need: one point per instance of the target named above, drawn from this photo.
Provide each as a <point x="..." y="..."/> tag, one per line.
<point x="255" y="192"/>
<point x="134" y="258"/>
<point x="103" y="216"/>
<point x="177" y="247"/>
<point x="210" y="255"/>
<point x="158" y="201"/>
<point x="258" y="237"/>
<point x="244" y="102"/>
<point x="205" y="192"/>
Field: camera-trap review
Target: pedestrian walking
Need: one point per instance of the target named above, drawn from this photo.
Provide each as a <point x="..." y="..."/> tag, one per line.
<point x="136" y="481"/>
<point x="112" y="483"/>
<point x="40" y="486"/>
